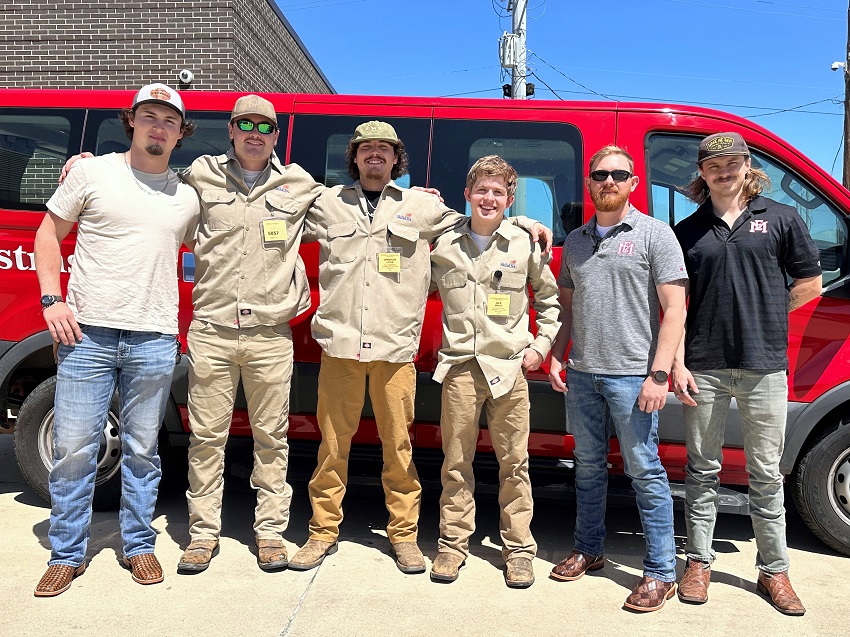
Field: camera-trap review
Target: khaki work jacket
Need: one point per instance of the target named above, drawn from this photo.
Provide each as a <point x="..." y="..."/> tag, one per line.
<point x="240" y="278"/>
<point x="485" y="302"/>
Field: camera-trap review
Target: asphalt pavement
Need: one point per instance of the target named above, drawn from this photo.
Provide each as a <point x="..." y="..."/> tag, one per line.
<point x="358" y="592"/>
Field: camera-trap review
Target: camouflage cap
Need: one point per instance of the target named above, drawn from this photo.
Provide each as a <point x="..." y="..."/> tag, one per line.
<point x="254" y="105"/>
<point x="722" y="144"/>
<point x="374" y="130"/>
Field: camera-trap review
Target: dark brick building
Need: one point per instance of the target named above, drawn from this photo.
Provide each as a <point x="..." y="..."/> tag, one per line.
<point x="237" y="45"/>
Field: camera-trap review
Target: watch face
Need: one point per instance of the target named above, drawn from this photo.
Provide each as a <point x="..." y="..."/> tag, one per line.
<point x="660" y="376"/>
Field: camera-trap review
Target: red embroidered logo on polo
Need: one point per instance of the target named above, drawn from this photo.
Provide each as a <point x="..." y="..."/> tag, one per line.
<point x="626" y="248"/>
<point x="758" y="225"/>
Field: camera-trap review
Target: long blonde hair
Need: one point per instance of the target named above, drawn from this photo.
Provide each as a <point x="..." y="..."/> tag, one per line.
<point x="755" y="182"/>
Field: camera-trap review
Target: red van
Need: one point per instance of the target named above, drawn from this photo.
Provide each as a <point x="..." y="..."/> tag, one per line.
<point x="549" y="143"/>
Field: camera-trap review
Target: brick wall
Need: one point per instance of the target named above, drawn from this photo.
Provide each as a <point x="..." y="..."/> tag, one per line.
<point x="243" y="45"/>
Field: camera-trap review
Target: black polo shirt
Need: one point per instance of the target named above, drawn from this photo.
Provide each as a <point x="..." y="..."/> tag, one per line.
<point x="738" y="309"/>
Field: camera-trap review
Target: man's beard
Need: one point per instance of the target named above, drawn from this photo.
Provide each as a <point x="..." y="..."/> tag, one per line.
<point x="610" y="202"/>
<point x="154" y="149"/>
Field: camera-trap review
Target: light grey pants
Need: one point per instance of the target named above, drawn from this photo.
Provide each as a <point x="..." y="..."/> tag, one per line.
<point x="762" y="397"/>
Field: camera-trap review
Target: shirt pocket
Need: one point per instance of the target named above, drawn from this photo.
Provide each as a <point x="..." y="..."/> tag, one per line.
<point x="404" y="238"/>
<point x="342" y="246"/>
<point x="455" y="292"/>
<point x="515" y="284"/>
<point x="277" y="203"/>
<point x="218" y="205"/>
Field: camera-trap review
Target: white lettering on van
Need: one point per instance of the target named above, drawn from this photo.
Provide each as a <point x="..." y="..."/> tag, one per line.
<point x="20" y="259"/>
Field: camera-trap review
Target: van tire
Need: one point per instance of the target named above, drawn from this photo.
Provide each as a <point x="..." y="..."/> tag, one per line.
<point x="34" y="447"/>
<point x="821" y="488"/>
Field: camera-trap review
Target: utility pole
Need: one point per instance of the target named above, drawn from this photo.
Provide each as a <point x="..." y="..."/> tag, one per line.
<point x="517" y="9"/>
<point x="846" y="179"/>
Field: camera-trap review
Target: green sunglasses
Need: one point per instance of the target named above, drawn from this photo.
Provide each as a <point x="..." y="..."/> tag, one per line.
<point x="247" y="126"/>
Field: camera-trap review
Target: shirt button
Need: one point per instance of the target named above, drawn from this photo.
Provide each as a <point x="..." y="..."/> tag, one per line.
<point x="368" y="284"/>
<point x="245" y="252"/>
<point x="368" y="258"/>
<point x="365" y="309"/>
<point x="242" y="277"/>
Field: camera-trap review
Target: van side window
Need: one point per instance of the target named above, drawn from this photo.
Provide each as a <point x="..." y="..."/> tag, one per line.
<point x="33" y="149"/>
<point x="547" y="157"/>
<point x="319" y="143"/>
<point x="105" y="134"/>
<point x="672" y="165"/>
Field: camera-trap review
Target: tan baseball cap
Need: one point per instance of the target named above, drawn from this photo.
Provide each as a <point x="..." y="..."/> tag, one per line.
<point x="160" y="94"/>
<point x="720" y="145"/>
<point x="254" y="105"/>
<point x="374" y="130"/>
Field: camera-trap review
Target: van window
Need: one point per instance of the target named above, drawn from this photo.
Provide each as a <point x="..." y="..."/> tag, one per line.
<point x="546" y="156"/>
<point x="33" y="149"/>
<point x="672" y="165"/>
<point x="105" y="134"/>
<point x="319" y="143"/>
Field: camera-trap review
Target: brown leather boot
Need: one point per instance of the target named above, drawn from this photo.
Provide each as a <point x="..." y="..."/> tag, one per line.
<point x="197" y="556"/>
<point x="777" y="587"/>
<point x="312" y="554"/>
<point x="446" y="566"/>
<point x="408" y="557"/>
<point x="145" y="568"/>
<point x="575" y="565"/>
<point x="650" y="594"/>
<point x="519" y="573"/>
<point x="693" y="586"/>
<point x="271" y="555"/>
<point x="58" y="579"/>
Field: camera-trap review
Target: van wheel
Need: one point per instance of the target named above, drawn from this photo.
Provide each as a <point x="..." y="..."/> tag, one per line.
<point x="821" y="488"/>
<point x="34" y="447"/>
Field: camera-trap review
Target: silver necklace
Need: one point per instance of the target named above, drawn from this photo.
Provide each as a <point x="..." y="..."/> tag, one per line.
<point x="144" y="187"/>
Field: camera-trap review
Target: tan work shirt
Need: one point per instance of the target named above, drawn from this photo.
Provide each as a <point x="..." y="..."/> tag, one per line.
<point x="485" y="302"/>
<point x="373" y="276"/>
<point x="247" y="269"/>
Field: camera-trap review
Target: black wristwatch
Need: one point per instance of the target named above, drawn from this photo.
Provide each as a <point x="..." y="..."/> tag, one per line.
<point x="659" y="376"/>
<point x="50" y="299"/>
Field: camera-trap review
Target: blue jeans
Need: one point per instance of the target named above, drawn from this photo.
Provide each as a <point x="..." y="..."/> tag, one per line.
<point x="762" y="397"/>
<point x="141" y="365"/>
<point x="597" y="406"/>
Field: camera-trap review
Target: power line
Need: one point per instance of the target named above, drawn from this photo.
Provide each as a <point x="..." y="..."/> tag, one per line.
<point x="727" y="7"/>
<point x="533" y="74"/>
<point x="317" y="4"/>
<point x="571" y="79"/>
<point x="795" y="108"/>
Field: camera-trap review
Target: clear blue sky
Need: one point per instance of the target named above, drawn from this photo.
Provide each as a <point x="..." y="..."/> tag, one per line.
<point x="749" y="57"/>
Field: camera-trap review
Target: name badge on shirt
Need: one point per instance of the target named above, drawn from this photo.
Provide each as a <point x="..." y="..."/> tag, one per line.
<point x="498" y="305"/>
<point x="389" y="262"/>
<point x="274" y="232"/>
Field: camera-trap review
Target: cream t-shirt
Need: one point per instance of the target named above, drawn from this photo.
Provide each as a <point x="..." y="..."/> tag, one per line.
<point x="130" y="226"/>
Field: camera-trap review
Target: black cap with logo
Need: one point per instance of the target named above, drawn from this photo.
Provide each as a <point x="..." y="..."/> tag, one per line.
<point x="721" y="144"/>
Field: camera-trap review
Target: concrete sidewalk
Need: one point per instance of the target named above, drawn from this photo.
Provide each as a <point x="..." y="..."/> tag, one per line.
<point x="359" y="592"/>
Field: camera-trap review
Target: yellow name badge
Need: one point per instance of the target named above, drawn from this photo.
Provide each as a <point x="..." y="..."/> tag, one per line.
<point x="498" y="305"/>
<point x="274" y="230"/>
<point x="389" y="262"/>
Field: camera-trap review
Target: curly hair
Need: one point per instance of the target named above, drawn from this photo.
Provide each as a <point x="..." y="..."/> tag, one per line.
<point x="399" y="168"/>
<point x="493" y="166"/>
<point x="187" y="126"/>
<point x="755" y="182"/>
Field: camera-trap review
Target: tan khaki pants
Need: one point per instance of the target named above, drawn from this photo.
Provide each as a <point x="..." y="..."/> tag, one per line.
<point x="218" y="358"/>
<point x="465" y="393"/>
<point x="392" y="389"/>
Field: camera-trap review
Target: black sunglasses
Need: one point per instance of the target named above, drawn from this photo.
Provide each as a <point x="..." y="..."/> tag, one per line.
<point x="247" y="126"/>
<point x="616" y="175"/>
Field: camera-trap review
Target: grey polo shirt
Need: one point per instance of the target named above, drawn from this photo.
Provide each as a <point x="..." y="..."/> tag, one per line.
<point x="615" y="302"/>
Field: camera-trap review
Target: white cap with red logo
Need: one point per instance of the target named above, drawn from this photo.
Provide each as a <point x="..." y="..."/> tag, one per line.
<point x="160" y="94"/>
